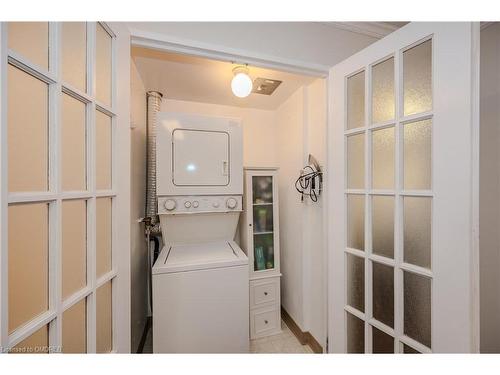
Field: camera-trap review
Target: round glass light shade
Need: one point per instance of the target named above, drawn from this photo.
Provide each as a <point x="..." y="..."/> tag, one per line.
<point x="241" y="85"/>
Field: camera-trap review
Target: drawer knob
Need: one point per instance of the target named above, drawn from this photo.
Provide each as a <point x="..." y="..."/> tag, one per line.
<point x="265" y="321"/>
<point x="265" y="293"/>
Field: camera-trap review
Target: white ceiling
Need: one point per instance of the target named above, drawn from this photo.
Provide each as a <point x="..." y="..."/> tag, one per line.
<point x="307" y="44"/>
<point x="373" y="29"/>
<point x="190" y="78"/>
<point x="314" y="46"/>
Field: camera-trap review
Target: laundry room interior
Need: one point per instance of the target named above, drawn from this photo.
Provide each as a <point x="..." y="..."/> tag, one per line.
<point x="283" y="137"/>
<point x="249" y="187"/>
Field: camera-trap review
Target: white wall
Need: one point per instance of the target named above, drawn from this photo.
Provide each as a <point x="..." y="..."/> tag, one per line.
<point x="314" y="245"/>
<point x="290" y="149"/>
<point x="258" y="127"/>
<point x="310" y="43"/>
<point x="300" y="131"/>
<point x="489" y="202"/>
<point x="138" y="264"/>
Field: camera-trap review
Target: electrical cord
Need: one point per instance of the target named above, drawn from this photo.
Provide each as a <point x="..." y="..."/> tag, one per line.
<point x="306" y="184"/>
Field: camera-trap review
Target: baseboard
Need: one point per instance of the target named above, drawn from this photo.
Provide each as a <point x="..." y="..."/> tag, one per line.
<point x="314" y="344"/>
<point x="305" y="338"/>
<point x="293" y="327"/>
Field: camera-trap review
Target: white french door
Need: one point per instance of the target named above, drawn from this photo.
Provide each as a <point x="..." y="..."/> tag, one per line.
<point x="402" y="191"/>
<point x="64" y="184"/>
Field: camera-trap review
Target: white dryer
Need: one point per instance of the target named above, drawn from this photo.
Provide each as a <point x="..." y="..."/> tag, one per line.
<point x="200" y="279"/>
<point x="198" y="155"/>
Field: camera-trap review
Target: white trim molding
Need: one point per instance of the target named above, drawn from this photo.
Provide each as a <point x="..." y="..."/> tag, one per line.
<point x="164" y="42"/>
<point x="373" y="29"/>
<point x="475" y="181"/>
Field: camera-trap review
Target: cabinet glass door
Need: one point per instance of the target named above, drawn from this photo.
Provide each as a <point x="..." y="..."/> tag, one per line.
<point x="263" y="235"/>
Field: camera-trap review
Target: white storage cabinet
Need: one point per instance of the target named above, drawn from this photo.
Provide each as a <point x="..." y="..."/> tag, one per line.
<point x="260" y="241"/>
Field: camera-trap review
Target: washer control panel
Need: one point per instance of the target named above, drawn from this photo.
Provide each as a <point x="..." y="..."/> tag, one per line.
<point x="199" y="203"/>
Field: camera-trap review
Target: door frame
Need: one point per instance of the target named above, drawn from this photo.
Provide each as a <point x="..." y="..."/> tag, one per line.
<point x="122" y="218"/>
<point x="336" y="186"/>
<point x="120" y="191"/>
<point x="169" y="43"/>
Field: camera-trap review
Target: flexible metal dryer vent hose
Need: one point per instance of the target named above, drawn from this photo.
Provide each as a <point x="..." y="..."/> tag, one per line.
<point x="153" y="107"/>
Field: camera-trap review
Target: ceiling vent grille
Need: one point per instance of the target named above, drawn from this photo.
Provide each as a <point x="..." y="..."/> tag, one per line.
<point x="265" y="86"/>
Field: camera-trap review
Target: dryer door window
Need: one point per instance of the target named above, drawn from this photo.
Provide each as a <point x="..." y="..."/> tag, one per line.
<point x="200" y="158"/>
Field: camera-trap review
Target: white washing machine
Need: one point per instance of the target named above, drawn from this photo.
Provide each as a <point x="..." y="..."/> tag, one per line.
<point x="198" y="300"/>
<point x="200" y="279"/>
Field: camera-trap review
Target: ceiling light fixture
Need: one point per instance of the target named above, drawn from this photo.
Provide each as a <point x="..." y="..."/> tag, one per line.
<point x="241" y="85"/>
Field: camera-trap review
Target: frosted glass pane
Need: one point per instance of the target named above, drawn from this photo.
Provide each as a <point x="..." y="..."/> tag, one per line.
<point x="103" y="246"/>
<point x="27" y="117"/>
<point x="262" y="188"/>
<point x="417" y="78"/>
<point x="103" y="151"/>
<point x="417" y="231"/>
<point x="263" y="250"/>
<point x="74" y="54"/>
<point x="383" y="159"/>
<point x="73" y="144"/>
<point x="355" y="282"/>
<point x="417" y="308"/>
<point x="263" y="218"/>
<point x="104" y="326"/>
<point x="383" y="91"/>
<point x="417" y="155"/>
<point x="356" y="222"/>
<point x="28" y="262"/>
<point x="356" y="101"/>
<point x="74" y="330"/>
<point x="37" y="343"/>
<point x="31" y="40"/>
<point x="409" y="350"/>
<point x="383" y="293"/>
<point x="355" y="334"/>
<point x="74" y="246"/>
<point x="382" y="342"/>
<point x="356" y="161"/>
<point x="383" y="225"/>
<point x="103" y="65"/>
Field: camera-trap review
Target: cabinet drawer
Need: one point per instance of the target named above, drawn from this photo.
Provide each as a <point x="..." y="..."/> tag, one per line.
<point x="264" y="322"/>
<point x="264" y="292"/>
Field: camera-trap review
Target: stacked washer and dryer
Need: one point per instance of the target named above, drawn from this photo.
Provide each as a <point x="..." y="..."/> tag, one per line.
<point x="200" y="279"/>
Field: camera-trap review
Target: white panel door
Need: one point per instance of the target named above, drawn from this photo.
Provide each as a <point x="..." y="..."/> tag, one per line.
<point x="402" y="194"/>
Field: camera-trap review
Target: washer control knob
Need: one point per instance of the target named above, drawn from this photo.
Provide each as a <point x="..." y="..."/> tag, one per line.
<point x="196" y="204"/>
<point x="231" y="203"/>
<point x="169" y="204"/>
<point x="215" y="204"/>
<point x="187" y="204"/>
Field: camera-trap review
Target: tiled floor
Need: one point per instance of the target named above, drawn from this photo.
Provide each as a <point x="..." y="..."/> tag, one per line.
<point x="285" y="342"/>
